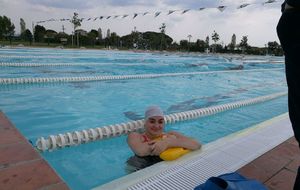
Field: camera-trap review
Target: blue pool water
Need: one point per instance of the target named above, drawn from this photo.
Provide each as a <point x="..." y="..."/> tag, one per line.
<point x="51" y="108"/>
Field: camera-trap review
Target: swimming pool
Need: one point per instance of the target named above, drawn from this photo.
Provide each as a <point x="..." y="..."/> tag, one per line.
<point x="42" y="109"/>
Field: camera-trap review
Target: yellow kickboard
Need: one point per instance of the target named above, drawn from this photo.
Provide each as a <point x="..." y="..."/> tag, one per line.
<point x="173" y="153"/>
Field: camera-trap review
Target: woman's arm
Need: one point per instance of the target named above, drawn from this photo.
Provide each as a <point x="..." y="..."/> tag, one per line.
<point x="140" y="148"/>
<point x="183" y="141"/>
<point x="175" y="139"/>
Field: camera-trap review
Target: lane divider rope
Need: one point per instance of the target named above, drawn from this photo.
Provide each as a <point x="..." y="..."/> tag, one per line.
<point x="88" y="135"/>
<point x="11" y="64"/>
<point x="30" y="64"/>
<point x="114" y="77"/>
<point x="46" y="57"/>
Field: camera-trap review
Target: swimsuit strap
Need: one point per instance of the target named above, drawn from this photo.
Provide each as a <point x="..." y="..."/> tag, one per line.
<point x="145" y="138"/>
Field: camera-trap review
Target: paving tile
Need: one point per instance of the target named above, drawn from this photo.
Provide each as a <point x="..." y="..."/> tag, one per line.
<point x="32" y="175"/>
<point x="4" y="121"/>
<point x="60" y="186"/>
<point x="17" y="152"/>
<point x="293" y="141"/>
<point x="271" y="164"/>
<point x="251" y="171"/>
<point x="284" y="180"/>
<point x="286" y="150"/>
<point x="294" y="164"/>
<point x="265" y="167"/>
<point x="8" y="133"/>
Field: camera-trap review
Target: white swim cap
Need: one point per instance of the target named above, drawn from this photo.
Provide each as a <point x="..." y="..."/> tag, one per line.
<point x="152" y="111"/>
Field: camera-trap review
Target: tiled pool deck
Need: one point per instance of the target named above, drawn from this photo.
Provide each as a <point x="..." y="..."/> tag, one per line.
<point x="21" y="167"/>
<point x="277" y="168"/>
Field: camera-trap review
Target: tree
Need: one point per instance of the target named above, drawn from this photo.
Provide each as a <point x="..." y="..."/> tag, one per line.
<point x="7" y="28"/>
<point x="207" y="42"/>
<point x="114" y="39"/>
<point x="274" y="48"/>
<point x="162" y="29"/>
<point x="27" y="36"/>
<point x="92" y="35"/>
<point x="184" y="44"/>
<point x="50" y="36"/>
<point x="100" y="36"/>
<point x="39" y="33"/>
<point x="244" y="43"/>
<point x="232" y="43"/>
<point x="22" y="26"/>
<point x="108" y="33"/>
<point x="146" y="40"/>
<point x="76" y="23"/>
<point x="200" y="45"/>
<point x="215" y="37"/>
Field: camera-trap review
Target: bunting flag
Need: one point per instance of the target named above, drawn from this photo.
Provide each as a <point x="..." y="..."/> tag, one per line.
<point x="156" y="14"/>
<point x="269" y="1"/>
<point x="243" y="5"/>
<point x="171" y="11"/>
<point x="184" y="11"/>
<point x="221" y="8"/>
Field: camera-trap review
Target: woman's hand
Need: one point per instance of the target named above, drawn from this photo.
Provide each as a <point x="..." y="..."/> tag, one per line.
<point x="159" y="146"/>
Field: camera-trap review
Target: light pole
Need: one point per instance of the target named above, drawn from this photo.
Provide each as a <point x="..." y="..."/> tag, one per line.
<point x="33" y="30"/>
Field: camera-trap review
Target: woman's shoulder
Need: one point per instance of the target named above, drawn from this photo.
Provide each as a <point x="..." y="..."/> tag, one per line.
<point x="173" y="133"/>
<point x="134" y="134"/>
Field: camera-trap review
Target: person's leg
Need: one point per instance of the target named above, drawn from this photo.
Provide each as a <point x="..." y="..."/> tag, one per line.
<point x="297" y="181"/>
<point x="293" y="81"/>
<point x="289" y="35"/>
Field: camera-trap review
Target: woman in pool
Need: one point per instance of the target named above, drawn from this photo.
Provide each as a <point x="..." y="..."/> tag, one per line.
<point x="150" y="144"/>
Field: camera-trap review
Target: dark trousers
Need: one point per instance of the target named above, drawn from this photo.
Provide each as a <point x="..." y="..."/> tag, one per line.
<point x="288" y="30"/>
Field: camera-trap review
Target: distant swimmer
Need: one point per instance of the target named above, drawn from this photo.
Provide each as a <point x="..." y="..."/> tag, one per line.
<point x="239" y="67"/>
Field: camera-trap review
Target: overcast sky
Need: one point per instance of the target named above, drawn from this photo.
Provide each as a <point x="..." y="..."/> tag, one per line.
<point x="257" y="21"/>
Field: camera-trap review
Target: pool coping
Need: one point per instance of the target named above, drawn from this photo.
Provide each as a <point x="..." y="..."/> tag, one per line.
<point x="259" y="139"/>
<point x="21" y="166"/>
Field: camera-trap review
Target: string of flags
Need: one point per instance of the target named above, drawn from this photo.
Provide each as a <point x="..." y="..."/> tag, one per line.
<point x="156" y="14"/>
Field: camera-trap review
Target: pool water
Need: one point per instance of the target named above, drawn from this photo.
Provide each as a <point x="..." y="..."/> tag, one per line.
<point x="51" y="108"/>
